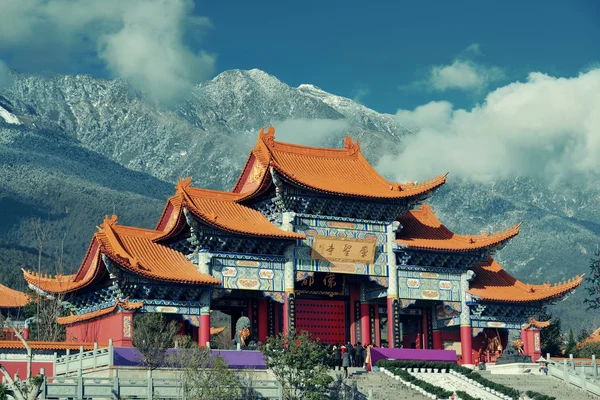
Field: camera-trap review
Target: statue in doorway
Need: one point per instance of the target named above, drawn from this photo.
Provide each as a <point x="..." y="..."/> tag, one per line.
<point x="242" y="331"/>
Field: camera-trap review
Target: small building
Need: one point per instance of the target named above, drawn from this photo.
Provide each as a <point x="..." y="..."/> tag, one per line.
<point x="308" y="239"/>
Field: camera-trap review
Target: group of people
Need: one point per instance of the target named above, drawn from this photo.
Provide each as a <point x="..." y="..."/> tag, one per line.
<point x="348" y="355"/>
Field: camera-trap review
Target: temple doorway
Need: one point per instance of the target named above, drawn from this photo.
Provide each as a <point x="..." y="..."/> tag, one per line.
<point x="323" y="319"/>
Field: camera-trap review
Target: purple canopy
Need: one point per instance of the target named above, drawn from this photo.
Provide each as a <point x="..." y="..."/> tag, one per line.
<point x="130" y="356"/>
<point x="378" y="353"/>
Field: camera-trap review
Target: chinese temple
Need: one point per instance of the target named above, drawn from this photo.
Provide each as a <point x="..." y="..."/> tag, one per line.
<point x="308" y="239"/>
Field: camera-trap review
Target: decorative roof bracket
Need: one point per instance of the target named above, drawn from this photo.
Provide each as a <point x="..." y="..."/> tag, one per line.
<point x="277" y="182"/>
<point x="195" y="236"/>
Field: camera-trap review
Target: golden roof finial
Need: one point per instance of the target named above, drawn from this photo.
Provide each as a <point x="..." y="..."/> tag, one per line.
<point x="183" y="183"/>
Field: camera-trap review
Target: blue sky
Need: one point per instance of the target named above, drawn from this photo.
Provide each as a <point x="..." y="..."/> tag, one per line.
<point x="382" y="46"/>
<point x="383" y="53"/>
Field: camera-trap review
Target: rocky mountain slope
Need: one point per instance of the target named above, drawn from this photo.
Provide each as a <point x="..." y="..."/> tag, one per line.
<point x="85" y="144"/>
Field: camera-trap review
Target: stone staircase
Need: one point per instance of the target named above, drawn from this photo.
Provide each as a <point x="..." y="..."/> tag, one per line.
<point x="380" y="385"/>
<point x="540" y="383"/>
<point x="454" y="383"/>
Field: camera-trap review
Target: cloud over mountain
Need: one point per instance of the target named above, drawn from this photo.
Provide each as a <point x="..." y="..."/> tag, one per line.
<point x="140" y="40"/>
<point x="543" y="127"/>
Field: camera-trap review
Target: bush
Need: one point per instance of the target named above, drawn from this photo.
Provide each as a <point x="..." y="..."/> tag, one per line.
<point x="396" y="365"/>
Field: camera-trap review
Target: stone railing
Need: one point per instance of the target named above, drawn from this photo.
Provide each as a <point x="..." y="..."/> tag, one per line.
<point x="79" y="387"/>
<point x="75" y="364"/>
<point x="580" y="373"/>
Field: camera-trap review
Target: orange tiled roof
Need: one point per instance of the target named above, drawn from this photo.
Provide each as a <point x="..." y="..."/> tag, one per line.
<point x="336" y="171"/>
<point x="422" y="230"/>
<point x="493" y="283"/>
<point x="91" y="269"/>
<point x="126" y="304"/>
<point x="136" y="250"/>
<point x="38" y="345"/>
<point x="536" y="324"/>
<point x="593" y="338"/>
<point x="220" y="210"/>
<point x="10" y="298"/>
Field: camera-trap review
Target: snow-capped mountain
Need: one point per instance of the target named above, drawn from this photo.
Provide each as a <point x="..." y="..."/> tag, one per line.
<point x="69" y="146"/>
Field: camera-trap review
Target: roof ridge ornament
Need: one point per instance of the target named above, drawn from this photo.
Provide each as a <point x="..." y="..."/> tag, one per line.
<point x="352" y="147"/>
<point x="183" y="184"/>
<point x="267" y="137"/>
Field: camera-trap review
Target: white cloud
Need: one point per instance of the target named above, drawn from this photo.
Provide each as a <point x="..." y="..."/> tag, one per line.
<point x="309" y="132"/>
<point x="545" y="127"/>
<point x="360" y="92"/>
<point x="462" y="75"/>
<point x="5" y="77"/>
<point x="140" y="40"/>
<point x="473" y="48"/>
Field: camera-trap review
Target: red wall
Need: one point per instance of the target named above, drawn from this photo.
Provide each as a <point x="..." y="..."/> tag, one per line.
<point x="20" y="367"/>
<point x="99" y="330"/>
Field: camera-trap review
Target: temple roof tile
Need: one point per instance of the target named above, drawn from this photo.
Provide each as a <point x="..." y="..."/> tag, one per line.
<point x="10" y="298"/>
<point x="221" y="210"/>
<point x="342" y="171"/>
<point x="493" y="283"/>
<point x="132" y="248"/>
<point x="125" y="305"/>
<point x="422" y="230"/>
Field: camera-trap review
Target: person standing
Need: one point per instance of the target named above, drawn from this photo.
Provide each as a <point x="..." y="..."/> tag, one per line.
<point x="351" y="354"/>
<point x="345" y="363"/>
<point x="359" y="355"/>
<point x="337" y="357"/>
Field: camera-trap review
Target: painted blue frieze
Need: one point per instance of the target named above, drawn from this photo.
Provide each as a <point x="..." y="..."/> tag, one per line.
<point x="424" y="285"/>
<point x="249" y="272"/>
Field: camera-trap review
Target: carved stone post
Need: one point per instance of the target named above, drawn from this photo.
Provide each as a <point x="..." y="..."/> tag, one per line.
<point x="465" y="322"/>
<point x="393" y="307"/>
<point x="289" y="277"/>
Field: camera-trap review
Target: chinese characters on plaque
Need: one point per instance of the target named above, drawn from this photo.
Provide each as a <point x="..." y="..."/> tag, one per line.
<point x="341" y="249"/>
<point x="321" y="283"/>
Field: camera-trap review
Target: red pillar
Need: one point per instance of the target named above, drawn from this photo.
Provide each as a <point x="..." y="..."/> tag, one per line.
<point x="263" y="328"/>
<point x="287" y="312"/>
<point x="377" y="327"/>
<point x="365" y="323"/>
<point x="465" y="344"/>
<point x="390" y="315"/>
<point x="354" y="297"/>
<point x="424" y="339"/>
<point x="437" y="340"/>
<point x="204" y="330"/>
<point x="249" y="310"/>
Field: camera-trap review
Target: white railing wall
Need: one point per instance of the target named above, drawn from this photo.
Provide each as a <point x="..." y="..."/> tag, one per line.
<point x="76" y="364"/>
<point x="582" y="376"/>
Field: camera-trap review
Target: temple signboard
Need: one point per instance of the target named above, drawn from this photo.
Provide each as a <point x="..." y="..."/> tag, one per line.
<point x="322" y="283"/>
<point x="342" y="249"/>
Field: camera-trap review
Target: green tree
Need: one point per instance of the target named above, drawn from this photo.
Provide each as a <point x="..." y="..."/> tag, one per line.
<point x="204" y="376"/>
<point x="571" y="347"/>
<point x="593" y="282"/>
<point x="589" y="349"/>
<point x="583" y="334"/>
<point x="551" y="337"/>
<point x="152" y="336"/>
<point x="297" y="362"/>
